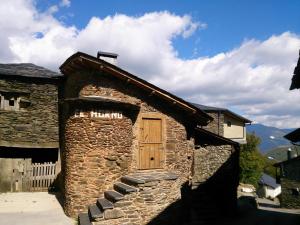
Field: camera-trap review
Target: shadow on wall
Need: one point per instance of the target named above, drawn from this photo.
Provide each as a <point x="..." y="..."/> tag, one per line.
<point x="209" y="203"/>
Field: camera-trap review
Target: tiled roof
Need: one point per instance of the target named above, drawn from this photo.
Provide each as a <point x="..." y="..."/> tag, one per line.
<point x="27" y="70"/>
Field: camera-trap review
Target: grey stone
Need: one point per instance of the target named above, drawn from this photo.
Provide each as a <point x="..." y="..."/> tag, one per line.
<point x="113" y="214"/>
<point x="113" y="196"/>
<point x="104" y="204"/>
<point x="123" y="188"/>
<point x="83" y="219"/>
<point x="95" y="213"/>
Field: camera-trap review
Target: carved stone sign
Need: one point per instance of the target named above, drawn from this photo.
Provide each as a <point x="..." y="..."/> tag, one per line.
<point x="99" y="114"/>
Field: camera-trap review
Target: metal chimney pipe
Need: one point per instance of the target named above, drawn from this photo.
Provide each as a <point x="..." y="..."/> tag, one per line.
<point x="289" y="153"/>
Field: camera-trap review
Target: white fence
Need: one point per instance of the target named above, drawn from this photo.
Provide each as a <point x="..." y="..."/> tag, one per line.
<point x="41" y="176"/>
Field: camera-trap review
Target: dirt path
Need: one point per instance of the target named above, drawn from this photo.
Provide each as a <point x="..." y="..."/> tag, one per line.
<point x="38" y="208"/>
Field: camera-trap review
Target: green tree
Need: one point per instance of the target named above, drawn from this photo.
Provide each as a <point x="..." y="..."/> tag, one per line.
<point x="252" y="163"/>
<point x="269" y="168"/>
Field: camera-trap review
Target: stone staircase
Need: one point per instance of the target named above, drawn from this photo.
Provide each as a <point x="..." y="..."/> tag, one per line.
<point x="131" y="201"/>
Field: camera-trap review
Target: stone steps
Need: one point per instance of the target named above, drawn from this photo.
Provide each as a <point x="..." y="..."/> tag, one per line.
<point x="107" y="208"/>
<point x="83" y="219"/>
<point x="124" y="189"/>
<point x="118" y="205"/>
<point x="103" y="204"/>
<point x="95" y="213"/>
<point x="113" y="196"/>
<point x="132" y="181"/>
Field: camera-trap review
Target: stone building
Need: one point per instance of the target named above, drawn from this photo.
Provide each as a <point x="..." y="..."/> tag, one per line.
<point x="226" y="123"/>
<point x="288" y="172"/>
<point x="29" y="120"/>
<point x="289" y="177"/>
<point x="133" y="153"/>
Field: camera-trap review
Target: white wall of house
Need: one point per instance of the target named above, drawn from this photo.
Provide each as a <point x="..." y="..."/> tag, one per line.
<point x="269" y="192"/>
<point x="234" y="129"/>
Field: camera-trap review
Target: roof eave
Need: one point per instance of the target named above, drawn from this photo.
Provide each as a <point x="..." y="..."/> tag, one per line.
<point x="221" y="138"/>
<point x="82" y="60"/>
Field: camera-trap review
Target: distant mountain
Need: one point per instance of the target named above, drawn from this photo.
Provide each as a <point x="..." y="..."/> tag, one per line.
<point x="271" y="137"/>
<point x="280" y="153"/>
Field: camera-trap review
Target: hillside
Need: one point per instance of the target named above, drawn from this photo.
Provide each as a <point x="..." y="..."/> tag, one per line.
<point x="271" y="137"/>
<point x="280" y="153"/>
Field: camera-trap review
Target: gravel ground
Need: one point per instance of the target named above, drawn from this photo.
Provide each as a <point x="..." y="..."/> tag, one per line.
<point x="35" y="208"/>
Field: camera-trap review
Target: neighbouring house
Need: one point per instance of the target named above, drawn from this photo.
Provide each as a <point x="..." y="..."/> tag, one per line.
<point x="294" y="136"/>
<point x="226" y="123"/>
<point x="268" y="188"/>
<point x="29" y="122"/>
<point x="289" y="170"/>
<point x="289" y="178"/>
<point x="133" y="153"/>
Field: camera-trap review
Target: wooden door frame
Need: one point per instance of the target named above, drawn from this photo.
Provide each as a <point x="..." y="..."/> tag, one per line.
<point x="152" y="115"/>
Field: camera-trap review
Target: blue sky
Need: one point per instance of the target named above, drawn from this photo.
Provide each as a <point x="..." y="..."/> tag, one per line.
<point x="235" y="54"/>
<point x="229" y="22"/>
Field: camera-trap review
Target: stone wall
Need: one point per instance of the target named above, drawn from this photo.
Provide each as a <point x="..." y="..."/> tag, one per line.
<point x="97" y="152"/>
<point x="153" y="203"/>
<point x="208" y="160"/>
<point x="289" y="184"/>
<point x="217" y="125"/>
<point x="83" y="154"/>
<point x="215" y="178"/>
<point x="289" y="197"/>
<point x="36" y="125"/>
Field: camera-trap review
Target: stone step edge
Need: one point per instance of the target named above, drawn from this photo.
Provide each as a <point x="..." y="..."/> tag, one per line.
<point x="136" y="180"/>
<point x="113" y="196"/>
<point x="83" y="219"/>
<point x="124" y="188"/>
<point x="104" y="204"/>
<point x="131" y="180"/>
<point x="94" y="212"/>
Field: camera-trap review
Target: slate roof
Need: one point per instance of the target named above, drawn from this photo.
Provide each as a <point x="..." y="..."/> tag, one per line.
<point x="293" y="136"/>
<point x="214" y="138"/>
<point x="206" y="108"/>
<point x="268" y="180"/>
<point x="287" y="161"/>
<point x="296" y="78"/>
<point x="27" y="70"/>
<point x="82" y="60"/>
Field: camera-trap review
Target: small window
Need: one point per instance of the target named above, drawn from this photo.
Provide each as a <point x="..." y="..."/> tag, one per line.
<point x="11" y="102"/>
<point x="228" y="123"/>
<point x="295" y="191"/>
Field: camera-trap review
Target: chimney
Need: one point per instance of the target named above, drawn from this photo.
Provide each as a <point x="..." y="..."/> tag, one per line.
<point x="108" y="57"/>
<point x="289" y="153"/>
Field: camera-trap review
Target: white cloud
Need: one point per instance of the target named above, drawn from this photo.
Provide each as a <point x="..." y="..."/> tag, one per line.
<point x="253" y="78"/>
<point x="65" y="3"/>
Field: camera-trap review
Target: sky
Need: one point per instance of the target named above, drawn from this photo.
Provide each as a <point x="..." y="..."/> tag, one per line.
<point x="235" y="54"/>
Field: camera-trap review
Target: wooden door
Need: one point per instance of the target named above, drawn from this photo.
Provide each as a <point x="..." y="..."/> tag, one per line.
<point x="151" y="144"/>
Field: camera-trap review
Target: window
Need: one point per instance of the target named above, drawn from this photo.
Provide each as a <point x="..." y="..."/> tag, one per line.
<point x="11" y="102"/>
<point x="14" y="101"/>
<point x="228" y="123"/>
<point x="295" y="191"/>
